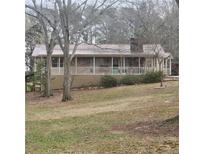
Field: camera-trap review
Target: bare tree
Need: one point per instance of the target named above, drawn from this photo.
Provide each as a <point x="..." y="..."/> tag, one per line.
<point x="70" y="28"/>
<point x="151" y="24"/>
<point x="50" y="35"/>
<point x="158" y="55"/>
<point x="140" y="19"/>
<point x="32" y="37"/>
<point x="111" y="28"/>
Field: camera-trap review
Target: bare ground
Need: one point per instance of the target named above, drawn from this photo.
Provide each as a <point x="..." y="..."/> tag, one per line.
<point x="168" y="127"/>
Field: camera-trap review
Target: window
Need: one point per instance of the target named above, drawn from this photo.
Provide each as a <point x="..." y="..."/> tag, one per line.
<point x="131" y="61"/>
<point x="55" y="62"/>
<point x="103" y="62"/>
<point x="85" y="61"/>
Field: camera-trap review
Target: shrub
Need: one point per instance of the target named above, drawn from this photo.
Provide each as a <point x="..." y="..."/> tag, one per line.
<point x="108" y="81"/>
<point x="30" y="87"/>
<point x="139" y="79"/>
<point x="152" y="77"/>
<point x="129" y="80"/>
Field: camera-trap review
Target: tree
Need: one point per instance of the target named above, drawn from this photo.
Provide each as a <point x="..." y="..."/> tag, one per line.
<point x="152" y="25"/>
<point x="70" y="20"/>
<point x="158" y="55"/>
<point x="72" y="28"/>
<point x="32" y="37"/>
<point x="45" y="17"/>
<point x="117" y="25"/>
<point x="111" y="28"/>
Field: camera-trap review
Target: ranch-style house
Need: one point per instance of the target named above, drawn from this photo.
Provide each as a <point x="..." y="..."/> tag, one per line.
<point x="91" y="62"/>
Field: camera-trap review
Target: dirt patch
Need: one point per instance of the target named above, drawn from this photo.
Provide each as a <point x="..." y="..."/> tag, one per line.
<point x="168" y="127"/>
<point x="36" y="97"/>
<point x="72" y="110"/>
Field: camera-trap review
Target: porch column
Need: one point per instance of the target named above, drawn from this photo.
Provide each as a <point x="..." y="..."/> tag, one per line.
<point x="145" y="64"/>
<point x="166" y="66"/>
<point x="139" y="65"/>
<point x="124" y="64"/>
<point x="145" y="59"/>
<point x="59" y="67"/>
<point x="76" y="65"/>
<point x="170" y="66"/>
<point x="153" y="64"/>
<point x="94" y="65"/>
<point x="121" y="65"/>
<point x="112" y="65"/>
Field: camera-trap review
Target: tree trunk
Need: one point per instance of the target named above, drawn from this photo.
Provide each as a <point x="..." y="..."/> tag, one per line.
<point x="157" y="64"/>
<point x="161" y="83"/>
<point x="67" y="79"/>
<point x="161" y="70"/>
<point x="177" y="1"/>
<point x="48" y="89"/>
<point x="31" y="66"/>
<point x="25" y="85"/>
<point x="34" y="84"/>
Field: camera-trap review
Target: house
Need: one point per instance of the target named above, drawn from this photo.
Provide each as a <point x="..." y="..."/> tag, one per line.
<point x="91" y="62"/>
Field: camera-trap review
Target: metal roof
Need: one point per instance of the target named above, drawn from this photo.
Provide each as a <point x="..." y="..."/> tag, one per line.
<point x="104" y="50"/>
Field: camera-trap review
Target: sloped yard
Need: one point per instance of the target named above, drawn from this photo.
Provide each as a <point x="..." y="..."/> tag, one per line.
<point x="127" y="119"/>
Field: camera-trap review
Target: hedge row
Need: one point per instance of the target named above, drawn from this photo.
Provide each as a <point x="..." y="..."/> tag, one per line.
<point x="150" y="77"/>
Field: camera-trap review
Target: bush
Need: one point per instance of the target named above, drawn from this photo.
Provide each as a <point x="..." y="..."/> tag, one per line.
<point x="30" y="87"/>
<point x="129" y="80"/>
<point x="139" y="79"/>
<point x="108" y="81"/>
<point x="152" y="77"/>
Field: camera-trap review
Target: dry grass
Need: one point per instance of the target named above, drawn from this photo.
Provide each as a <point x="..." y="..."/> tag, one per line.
<point x="83" y="125"/>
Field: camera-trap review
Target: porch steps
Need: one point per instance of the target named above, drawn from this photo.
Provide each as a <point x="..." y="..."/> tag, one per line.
<point x="171" y="78"/>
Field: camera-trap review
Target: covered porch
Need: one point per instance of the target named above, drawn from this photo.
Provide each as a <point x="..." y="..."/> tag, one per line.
<point x="111" y="65"/>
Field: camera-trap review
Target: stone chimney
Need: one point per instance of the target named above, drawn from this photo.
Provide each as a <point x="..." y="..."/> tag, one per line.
<point x="136" y="45"/>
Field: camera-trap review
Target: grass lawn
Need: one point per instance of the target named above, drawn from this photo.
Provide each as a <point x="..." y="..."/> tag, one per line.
<point x="97" y="121"/>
